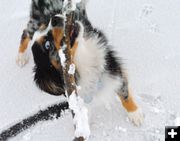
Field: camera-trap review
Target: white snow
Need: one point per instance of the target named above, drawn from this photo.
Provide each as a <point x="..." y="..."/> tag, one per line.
<point x="62" y="57"/>
<point x="146" y="36"/>
<point x="177" y="121"/>
<point x="121" y="129"/>
<point x="72" y="69"/>
<point x="60" y="16"/>
<point x="80" y="119"/>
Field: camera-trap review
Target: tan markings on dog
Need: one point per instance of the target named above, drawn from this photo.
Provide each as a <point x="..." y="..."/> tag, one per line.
<point x="42" y="27"/>
<point x="24" y="45"/>
<point x="55" y="64"/>
<point x="129" y="103"/>
<point x="41" y="40"/>
<point x="57" y="35"/>
<point x="73" y="49"/>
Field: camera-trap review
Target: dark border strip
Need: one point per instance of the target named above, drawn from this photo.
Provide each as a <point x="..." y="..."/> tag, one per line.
<point x="49" y="113"/>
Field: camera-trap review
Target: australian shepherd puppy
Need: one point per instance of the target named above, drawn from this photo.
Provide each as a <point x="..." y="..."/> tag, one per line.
<point x="97" y="65"/>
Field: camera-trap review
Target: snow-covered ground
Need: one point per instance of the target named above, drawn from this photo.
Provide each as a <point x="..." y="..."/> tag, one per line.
<point x="146" y="34"/>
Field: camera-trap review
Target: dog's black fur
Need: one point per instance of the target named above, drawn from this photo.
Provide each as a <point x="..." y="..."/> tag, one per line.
<point x="47" y="77"/>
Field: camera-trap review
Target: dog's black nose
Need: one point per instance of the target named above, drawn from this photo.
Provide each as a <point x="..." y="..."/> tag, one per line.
<point x="57" y="21"/>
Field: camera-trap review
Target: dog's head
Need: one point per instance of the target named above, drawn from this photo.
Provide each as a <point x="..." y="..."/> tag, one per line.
<point x="48" y="72"/>
<point x="48" y="69"/>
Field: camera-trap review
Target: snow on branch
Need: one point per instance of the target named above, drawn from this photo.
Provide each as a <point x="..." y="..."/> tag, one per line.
<point x="76" y="104"/>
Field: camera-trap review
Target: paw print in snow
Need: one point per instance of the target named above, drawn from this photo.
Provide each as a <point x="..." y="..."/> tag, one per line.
<point x="146" y="19"/>
<point x="147" y="10"/>
<point x="153" y="28"/>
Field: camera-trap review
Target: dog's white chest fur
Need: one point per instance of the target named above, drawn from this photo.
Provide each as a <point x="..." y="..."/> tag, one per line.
<point x="90" y="63"/>
<point x="89" y="60"/>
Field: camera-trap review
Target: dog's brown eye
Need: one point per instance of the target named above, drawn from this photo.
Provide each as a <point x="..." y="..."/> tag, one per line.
<point x="47" y="45"/>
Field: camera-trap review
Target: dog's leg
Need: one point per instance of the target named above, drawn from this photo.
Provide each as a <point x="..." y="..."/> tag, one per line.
<point x="32" y="26"/>
<point x="22" y="57"/>
<point x="134" y="112"/>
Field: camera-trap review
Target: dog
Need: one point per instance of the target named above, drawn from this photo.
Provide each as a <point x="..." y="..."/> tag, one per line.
<point x="96" y="62"/>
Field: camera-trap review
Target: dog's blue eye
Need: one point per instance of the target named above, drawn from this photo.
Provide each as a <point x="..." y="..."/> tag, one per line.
<point x="47" y="45"/>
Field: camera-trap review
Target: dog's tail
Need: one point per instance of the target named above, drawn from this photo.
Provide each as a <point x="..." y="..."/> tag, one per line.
<point x="49" y="113"/>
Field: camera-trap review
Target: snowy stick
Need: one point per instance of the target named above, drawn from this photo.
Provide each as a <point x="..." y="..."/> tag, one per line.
<point x="76" y="104"/>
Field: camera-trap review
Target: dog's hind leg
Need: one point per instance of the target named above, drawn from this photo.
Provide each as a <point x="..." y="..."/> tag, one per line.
<point x="134" y="112"/>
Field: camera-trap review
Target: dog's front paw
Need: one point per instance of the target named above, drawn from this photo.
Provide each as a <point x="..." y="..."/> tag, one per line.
<point x="136" y="117"/>
<point x="22" y="59"/>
